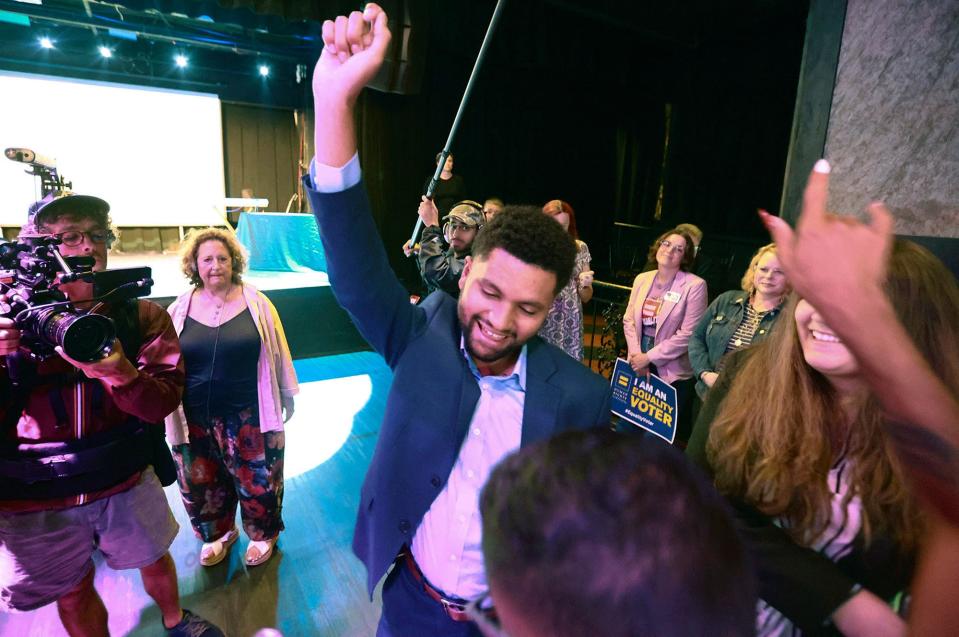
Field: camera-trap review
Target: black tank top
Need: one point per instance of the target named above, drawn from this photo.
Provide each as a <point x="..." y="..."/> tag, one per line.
<point x="221" y="365"/>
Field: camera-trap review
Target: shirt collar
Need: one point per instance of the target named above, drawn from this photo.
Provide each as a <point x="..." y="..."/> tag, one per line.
<point x="519" y="369"/>
<point x="773" y="311"/>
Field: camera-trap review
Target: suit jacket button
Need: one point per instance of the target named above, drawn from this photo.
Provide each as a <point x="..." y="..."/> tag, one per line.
<point x="435" y="481"/>
<point x="404" y="526"/>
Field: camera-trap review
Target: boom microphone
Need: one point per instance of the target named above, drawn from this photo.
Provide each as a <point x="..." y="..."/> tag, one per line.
<point x="27" y="156"/>
<point x="459" y="112"/>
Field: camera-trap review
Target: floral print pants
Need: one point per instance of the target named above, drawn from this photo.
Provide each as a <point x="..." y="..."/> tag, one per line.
<point x="228" y="461"/>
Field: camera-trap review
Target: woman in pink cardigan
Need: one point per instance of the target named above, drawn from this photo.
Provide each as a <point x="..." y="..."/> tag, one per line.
<point x="664" y="307"/>
<point x="227" y="435"/>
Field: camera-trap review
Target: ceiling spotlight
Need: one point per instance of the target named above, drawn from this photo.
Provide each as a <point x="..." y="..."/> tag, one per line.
<point x="46" y="43"/>
<point x="264" y="70"/>
<point x="106" y="52"/>
<point x="181" y="60"/>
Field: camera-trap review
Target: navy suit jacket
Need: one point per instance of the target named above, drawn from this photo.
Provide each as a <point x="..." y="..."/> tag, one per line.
<point x="434" y="393"/>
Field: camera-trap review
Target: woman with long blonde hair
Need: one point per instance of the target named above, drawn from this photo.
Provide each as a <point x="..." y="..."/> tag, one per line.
<point x="794" y="439"/>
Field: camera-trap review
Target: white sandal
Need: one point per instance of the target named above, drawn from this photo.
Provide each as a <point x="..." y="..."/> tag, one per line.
<point x="264" y="551"/>
<point x="214" y="552"/>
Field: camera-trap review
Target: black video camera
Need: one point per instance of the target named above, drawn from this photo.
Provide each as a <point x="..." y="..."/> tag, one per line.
<point x="31" y="271"/>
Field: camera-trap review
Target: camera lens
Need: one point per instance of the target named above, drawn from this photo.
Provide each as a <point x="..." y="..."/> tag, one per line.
<point x="83" y="337"/>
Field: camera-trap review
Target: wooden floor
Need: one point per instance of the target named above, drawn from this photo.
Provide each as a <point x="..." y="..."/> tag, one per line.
<point x="313" y="585"/>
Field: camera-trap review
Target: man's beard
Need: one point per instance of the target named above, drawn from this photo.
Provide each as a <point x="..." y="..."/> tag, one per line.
<point x="509" y="348"/>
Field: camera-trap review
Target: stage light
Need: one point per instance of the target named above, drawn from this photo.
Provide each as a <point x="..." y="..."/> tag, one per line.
<point x="106" y="52"/>
<point x="264" y="70"/>
<point x="46" y="43"/>
<point x="181" y="60"/>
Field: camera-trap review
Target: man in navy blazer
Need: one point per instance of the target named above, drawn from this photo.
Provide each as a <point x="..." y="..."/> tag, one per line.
<point x="471" y="380"/>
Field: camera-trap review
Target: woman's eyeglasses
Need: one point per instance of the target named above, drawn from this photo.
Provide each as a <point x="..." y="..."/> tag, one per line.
<point x="681" y="249"/>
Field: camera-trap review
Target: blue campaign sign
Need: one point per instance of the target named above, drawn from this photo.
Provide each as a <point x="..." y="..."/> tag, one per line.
<point x="647" y="403"/>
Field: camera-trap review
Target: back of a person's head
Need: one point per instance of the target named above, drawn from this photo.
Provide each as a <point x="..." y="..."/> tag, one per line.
<point x="532" y="237"/>
<point x="693" y="231"/>
<point x="596" y="533"/>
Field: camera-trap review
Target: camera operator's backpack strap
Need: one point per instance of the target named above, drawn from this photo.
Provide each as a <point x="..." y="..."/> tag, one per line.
<point x="126" y="321"/>
<point x="16" y="401"/>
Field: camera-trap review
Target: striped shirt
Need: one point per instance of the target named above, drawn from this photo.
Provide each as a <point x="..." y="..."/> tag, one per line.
<point x="835" y="542"/>
<point x="743" y="336"/>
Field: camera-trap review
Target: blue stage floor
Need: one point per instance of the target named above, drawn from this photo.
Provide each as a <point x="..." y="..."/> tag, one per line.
<point x="313" y="585"/>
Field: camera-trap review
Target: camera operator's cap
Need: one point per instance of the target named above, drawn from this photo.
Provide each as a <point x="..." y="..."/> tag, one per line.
<point x="467" y="212"/>
<point x="64" y="203"/>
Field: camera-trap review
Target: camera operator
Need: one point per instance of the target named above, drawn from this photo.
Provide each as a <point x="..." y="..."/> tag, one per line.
<point x="100" y="424"/>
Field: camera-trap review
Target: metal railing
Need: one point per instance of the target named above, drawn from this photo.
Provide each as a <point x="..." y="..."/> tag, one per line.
<point x="603" y="332"/>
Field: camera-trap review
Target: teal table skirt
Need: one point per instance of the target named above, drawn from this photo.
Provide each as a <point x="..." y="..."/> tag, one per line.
<point x="281" y="242"/>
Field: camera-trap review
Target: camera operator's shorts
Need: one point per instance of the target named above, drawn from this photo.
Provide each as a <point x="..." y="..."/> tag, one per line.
<point x="45" y="554"/>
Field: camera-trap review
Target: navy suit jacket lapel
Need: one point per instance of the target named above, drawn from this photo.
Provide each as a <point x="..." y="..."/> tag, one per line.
<point x="469" y="397"/>
<point x="541" y="405"/>
<point x="469" y="391"/>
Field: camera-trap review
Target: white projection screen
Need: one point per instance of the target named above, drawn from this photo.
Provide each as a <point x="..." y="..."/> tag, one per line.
<point x="155" y="155"/>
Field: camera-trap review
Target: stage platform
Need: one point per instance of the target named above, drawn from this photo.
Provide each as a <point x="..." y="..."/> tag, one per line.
<point x="315" y="324"/>
<point x="313" y="585"/>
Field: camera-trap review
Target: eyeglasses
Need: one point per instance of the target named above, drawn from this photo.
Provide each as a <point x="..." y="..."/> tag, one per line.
<point x="453" y="227"/>
<point x="669" y="246"/>
<point x="481" y="612"/>
<point x="73" y="238"/>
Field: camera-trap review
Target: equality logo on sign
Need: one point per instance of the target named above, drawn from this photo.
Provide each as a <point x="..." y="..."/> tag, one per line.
<point x="647" y="402"/>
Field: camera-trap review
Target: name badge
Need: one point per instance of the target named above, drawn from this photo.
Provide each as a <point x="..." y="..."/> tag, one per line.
<point x="672" y="297"/>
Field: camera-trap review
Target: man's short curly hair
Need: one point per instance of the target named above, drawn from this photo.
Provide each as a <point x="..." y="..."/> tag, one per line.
<point x="191" y="247"/>
<point x="532" y="237"/>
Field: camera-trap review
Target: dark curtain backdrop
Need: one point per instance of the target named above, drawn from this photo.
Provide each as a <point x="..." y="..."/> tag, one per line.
<point x="260" y="147"/>
<point x="553" y="118"/>
<point x="559" y="113"/>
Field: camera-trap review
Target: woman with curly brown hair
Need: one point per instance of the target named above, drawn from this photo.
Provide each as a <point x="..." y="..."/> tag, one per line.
<point x="664" y="307"/>
<point x="794" y="438"/>
<point x="227" y="436"/>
